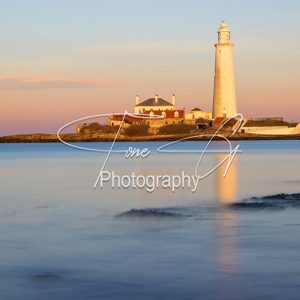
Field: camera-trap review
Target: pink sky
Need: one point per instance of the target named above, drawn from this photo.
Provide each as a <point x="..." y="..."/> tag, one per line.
<point x="42" y="103"/>
<point x="56" y="66"/>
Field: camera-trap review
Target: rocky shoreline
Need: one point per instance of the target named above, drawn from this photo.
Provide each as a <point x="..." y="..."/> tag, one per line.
<point x="75" y="137"/>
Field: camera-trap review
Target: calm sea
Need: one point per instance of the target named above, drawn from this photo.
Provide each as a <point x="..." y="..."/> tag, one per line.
<point x="62" y="239"/>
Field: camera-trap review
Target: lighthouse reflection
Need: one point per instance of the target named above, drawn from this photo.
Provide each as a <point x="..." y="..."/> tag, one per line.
<point x="228" y="223"/>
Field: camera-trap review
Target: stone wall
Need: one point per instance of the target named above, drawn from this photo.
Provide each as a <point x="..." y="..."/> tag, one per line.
<point x="269" y="130"/>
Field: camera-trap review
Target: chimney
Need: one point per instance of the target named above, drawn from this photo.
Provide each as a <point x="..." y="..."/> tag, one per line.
<point x="156" y="98"/>
<point x="136" y="99"/>
<point x="173" y="100"/>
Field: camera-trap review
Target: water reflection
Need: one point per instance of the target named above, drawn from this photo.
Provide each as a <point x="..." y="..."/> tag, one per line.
<point x="227" y="225"/>
<point x="226" y="187"/>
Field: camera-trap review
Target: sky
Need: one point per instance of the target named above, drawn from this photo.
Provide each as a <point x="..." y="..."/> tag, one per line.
<point x="66" y="59"/>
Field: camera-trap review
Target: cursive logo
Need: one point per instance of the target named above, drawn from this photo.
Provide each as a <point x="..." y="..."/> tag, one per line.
<point x="150" y="182"/>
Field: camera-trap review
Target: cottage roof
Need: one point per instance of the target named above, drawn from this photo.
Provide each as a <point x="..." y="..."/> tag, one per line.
<point x="153" y="102"/>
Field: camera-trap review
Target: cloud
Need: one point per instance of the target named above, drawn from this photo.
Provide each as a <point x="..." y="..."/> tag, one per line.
<point x="28" y="83"/>
<point x="180" y="47"/>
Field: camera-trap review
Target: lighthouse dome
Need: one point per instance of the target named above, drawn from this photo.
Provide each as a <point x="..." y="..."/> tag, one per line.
<point x="224" y="26"/>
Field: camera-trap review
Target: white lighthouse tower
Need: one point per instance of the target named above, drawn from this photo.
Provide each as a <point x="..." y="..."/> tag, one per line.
<point x="224" y="104"/>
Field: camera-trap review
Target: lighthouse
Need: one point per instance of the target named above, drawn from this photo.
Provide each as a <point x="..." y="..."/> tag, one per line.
<point x="224" y="102"/>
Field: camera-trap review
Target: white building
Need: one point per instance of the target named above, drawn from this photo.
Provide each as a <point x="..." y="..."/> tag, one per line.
<point x="155" y="103"/>
<point x="198" y="113"/>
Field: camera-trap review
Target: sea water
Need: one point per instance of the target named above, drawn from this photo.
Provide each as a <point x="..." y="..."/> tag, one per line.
<point x="62" y="239"/>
